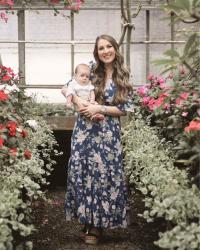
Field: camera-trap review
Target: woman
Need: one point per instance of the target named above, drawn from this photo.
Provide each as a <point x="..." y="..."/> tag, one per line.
<point x="96" y="192"/>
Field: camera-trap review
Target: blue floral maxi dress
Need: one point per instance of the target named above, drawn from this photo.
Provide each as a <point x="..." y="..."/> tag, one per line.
<point x="96" y="191"/>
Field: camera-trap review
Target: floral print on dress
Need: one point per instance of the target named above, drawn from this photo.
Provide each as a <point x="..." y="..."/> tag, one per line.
<point x="96" y="190"/>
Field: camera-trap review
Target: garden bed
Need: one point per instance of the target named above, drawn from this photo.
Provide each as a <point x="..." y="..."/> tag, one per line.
<point x="54" y="233"/>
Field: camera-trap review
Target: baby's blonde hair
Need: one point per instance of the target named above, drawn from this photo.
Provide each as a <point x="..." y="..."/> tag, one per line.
<point x="80" y="65"/>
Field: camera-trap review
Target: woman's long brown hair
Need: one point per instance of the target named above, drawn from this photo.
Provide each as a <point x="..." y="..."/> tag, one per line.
<point x="120" y="74"/>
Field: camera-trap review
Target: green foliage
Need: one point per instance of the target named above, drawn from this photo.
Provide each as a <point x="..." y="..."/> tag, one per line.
<point x="172" y="104"/>
<point x="25" y="161"/>
<point x="51" y="109"/>
<point x="149" y="164"/>
<point x="186" y="11"/>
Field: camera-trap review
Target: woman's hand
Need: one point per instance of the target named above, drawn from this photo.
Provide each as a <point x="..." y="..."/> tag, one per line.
<point x="90" y="110"/>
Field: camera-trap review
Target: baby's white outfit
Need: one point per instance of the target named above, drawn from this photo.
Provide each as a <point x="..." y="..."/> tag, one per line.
<point x="83" y="91"/>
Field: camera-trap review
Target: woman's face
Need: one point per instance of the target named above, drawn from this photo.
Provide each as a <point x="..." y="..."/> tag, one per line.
<point x="106" y="51"/>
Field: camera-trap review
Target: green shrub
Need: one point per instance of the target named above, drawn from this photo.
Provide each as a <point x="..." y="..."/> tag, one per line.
<point x="149" y="164"/>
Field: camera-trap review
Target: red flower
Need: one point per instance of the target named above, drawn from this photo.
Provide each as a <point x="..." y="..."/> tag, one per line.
<point x="6" y="78"/>
<point x="12" y="126"/>
<point x="1" y="142"/>
<point x="24" y="133"/>
<point x="193" y="126"/>
<point x="3" y="96"/>
<point x="27" y="154"/>
<point x="13" y="151"/>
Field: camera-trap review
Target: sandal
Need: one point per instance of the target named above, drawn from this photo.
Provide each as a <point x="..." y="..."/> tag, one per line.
<point x="84" y="231"/>
<point x="93" y="236"/>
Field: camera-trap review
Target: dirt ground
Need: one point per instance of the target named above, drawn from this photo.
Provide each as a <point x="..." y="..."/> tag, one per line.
<point x="54" y="233"/>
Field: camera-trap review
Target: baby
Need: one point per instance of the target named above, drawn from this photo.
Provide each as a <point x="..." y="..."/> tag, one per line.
<point x="82" y="87"/>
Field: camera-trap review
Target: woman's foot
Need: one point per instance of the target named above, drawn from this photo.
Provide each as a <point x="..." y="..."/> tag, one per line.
<point x="93" y="236"/>
<point x="84" y="231"/>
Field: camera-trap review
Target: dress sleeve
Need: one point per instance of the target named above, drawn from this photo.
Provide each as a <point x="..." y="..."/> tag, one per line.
<point x="128" y="106"/>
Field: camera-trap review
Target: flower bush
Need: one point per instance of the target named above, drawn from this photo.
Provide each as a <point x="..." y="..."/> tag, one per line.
<point x="25" y="149"/>
<point x="173" y="105"/>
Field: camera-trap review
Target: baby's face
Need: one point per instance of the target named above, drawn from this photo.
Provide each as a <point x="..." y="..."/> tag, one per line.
<point x="83" y="74"/>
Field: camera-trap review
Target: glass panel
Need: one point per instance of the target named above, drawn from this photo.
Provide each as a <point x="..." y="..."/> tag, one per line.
<point x="8" y="31"/>
<point x="83" y="53"/>
<point x="46" y="95"/>
<point x="139" y="33"/>
<point x="89" y="24"/>
<point x="9" y="51"/>
<point x="159" y="28"/>
<point x="138" y="64"/>
<point x="9" y="56"/>
<point x="43" y="25"/>
<point x="48" y="65"/>
<point x="156" y="52"/>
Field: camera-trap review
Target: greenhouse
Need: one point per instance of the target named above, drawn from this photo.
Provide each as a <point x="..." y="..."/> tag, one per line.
<point x="119" y="167"/>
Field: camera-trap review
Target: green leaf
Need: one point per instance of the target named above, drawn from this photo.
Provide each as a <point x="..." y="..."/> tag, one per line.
<point x="189" y="43"/>
<point x="163" y="61"/>
<point x="183" y="4"/>
<point x="172" y="53"/>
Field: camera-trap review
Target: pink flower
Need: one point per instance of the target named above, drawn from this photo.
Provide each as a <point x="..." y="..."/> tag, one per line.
<point x="145" y="100"/>
<point x="161" y="82"/>
<point x="7" y="2"/>
<point x="142" y="90"/>
<point x="178" y="101"/>
<point x="150" y="77"/>
<point x="164" y="95"/>
<point x="4" y="16"/>
<point x="184" y="114"/>
<point x="193" y="125"/>
<point x="158" y="102"/>
<point x="166" y="106"/>
<point x="151" y="104"/>
<point x="184" y="95"/>
<point x="55" y="1"/>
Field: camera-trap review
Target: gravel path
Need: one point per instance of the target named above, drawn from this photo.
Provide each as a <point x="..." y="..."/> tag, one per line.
<point x="54" y="233"/>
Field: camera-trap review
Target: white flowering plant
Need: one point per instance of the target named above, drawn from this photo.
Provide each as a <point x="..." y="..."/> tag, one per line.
<point x="26" y="146"/>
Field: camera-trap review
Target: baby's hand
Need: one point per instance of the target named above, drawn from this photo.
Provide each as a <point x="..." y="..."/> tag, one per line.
<point x="97" y="117"/>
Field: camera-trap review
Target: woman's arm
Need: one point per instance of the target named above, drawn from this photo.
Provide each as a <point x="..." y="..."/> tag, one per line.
<point x="91" y="110"/>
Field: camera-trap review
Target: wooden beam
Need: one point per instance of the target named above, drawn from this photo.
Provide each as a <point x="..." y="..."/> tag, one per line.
<point x="21" y="46"/>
